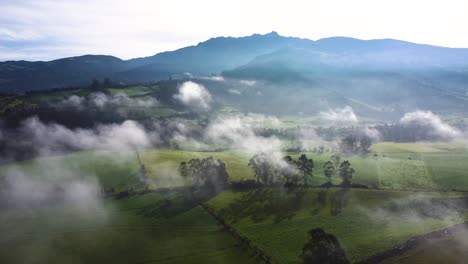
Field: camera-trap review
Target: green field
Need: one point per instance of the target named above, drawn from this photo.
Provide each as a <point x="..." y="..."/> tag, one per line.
<point x="142" y="229"/>
<point x="165" y="227"/>
<point x="362" y="220"/>
<point x="414" y="168"/>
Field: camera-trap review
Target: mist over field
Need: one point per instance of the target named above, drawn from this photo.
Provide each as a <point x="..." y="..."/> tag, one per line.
<point x="190" y="132"/>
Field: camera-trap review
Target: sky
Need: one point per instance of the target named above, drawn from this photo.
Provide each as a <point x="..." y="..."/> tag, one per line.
<point x="51" y="29"/>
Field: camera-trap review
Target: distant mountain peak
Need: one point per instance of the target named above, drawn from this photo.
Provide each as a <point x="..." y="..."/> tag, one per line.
<point x="273" y="33"/>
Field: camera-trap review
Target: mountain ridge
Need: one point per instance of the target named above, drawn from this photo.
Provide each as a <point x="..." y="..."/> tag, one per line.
<point x="226" y="54"/>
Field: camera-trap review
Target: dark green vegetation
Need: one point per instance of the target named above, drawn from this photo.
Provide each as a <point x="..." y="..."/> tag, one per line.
<point x="168" y="226"/>
<point x="152" y="228"/>
<point x="366" y="222"/>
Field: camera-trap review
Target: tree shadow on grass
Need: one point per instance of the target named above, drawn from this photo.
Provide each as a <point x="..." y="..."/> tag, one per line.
<point x="339" y="200"/>
<point x="261" y="204"/>
<point x="183" y="201"/>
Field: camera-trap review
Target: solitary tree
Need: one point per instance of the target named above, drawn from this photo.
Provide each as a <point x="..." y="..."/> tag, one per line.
<point x="306" y="167"/>
<point x="329" y="170"/>
<point x="184" y="169"/>
<point x="195" y="171"/>
<point x="323" y="248"/>
<point x="346" y="173"/>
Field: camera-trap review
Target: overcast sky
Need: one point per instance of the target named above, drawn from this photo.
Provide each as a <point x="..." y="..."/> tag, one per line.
<point x="47" y="29"/>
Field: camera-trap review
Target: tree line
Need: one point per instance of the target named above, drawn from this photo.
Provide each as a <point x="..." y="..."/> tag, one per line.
<point x="268" y="170"/>
<point x="293" y="172"/>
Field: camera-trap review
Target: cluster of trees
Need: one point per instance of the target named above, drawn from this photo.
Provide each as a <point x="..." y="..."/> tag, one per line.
<point x="96" y="84"/>
<point x="269" y="170"/>
<point x="356" y="144"/>
<point x="336" y="167"/>
<point x="208" y="172"/>
<point x="321" y="149"/>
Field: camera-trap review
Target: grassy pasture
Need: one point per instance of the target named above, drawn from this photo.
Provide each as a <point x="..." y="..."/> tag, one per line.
<point x="142" y="229"/>
<point x="443" y="169"/>
<point x="154" y="227"/>
<point x="365" y="221"/>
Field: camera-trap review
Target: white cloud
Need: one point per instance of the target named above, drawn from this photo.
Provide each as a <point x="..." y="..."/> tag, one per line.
<point x="52" y="138"/>
<point x="101" y="100"/>
<point x="248" y="82"/>
<point x="436" y="126"/>
<point x="215" y="78"/>
<point x="195" y="96"/>
<point x="234" y="91"/>
<point x="239" y="132"/>
<point x="343" y="115"/>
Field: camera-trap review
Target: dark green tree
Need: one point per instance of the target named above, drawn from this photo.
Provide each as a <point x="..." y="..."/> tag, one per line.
<point x="184" y="170"/>
<point x="209" y="171"/>
<point x="264" y="168"/>
<point x="195" y="168"/>
<point x="306" y="167"/>
<point x="346" y="173"/>
<point x="323" y="248"/>
<point x="329" y="170"/>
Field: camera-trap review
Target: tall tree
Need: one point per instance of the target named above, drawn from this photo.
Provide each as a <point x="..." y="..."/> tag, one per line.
<point x="196" y="170"/>
<point x="329" y="170"/>
<point x="184" y="170"/>
<point x="306" y="167"/>
<point x="346" y="173"/>
<point x="209" y="171"/>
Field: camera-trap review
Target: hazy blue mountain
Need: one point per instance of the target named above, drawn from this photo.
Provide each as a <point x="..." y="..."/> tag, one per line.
<point x="270" y="57"/>
<point x="17" y="76"/>
<point x="222" y="53"/>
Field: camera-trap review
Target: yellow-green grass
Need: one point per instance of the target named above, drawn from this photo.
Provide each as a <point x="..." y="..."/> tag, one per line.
<point x="162" y="165"/>
<point x="132" y="230"/>
<point x="419" y="147"/>
<point x="133" y="91"/>
<point x="112" y="169"/>
<point x="278" y="223"/>
<point x="438" y="170"/>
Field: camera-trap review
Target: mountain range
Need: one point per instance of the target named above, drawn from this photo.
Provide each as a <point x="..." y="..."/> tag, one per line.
<point x="269" y="57"/>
